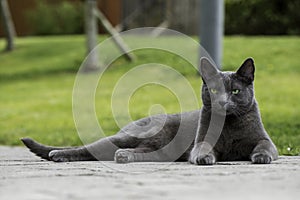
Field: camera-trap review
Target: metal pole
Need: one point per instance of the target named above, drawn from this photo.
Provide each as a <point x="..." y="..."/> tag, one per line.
<point x="212" y="28"/>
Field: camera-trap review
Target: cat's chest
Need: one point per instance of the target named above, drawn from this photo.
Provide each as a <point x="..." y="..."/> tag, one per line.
<point x="234" y="132"/>
<point x="238" y="127"/>
<point x="229" y="138"/>
<point x="235" y="143"/>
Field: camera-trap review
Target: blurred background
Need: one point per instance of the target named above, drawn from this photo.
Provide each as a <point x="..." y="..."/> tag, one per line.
<point x="252" y="17"/>
<point x="49" y="44"/>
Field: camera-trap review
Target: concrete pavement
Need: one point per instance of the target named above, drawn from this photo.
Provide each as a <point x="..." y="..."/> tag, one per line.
<point x="25" y="176"/>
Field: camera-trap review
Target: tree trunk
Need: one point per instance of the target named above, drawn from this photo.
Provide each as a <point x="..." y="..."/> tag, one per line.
<point x="91" y="30"/>
<point x="8" y="25"/>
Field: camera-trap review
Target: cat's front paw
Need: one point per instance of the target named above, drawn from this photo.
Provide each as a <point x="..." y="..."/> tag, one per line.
<point x="207" y="159"/>
<point x="261" y="158"/>
<point x="58" y="156"/>
<point x="124" y="156"/>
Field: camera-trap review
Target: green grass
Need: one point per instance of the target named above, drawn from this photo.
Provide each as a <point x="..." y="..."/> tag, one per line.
<point x="36" y="83"/>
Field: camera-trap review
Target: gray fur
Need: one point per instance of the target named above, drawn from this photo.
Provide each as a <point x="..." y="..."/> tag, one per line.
<point x="243" y="136"/>
<point x="181" y="137"/>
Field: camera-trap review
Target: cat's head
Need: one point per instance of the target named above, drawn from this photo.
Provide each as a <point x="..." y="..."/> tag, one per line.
<point x="229" y="93"/>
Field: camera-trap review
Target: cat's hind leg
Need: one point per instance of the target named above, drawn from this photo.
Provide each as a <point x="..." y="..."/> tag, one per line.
<point x="140" y="155"/>
<point x="103" y="150"/>
<point x="129" y="155"/>
<point x="57" y="154"/>
<point x="40" y="149"/>
<point x="68" y="155"/>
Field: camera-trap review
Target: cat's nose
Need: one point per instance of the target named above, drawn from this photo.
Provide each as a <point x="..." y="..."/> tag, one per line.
<point x="222" y="103"/>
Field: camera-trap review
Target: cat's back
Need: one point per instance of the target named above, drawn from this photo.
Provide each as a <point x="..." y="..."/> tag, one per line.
<point x="159" y="130"/>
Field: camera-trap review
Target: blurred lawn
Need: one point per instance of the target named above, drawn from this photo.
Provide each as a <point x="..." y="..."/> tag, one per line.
<point x="36" y="82"/>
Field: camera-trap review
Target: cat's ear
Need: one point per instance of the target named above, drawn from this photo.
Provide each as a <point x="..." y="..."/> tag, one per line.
<point x="207" y="69"/>
<point x="246" y="70"/>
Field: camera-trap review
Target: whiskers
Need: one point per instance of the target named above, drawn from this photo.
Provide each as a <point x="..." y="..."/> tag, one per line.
<point x="240" y="110"/>
<point x="238" y="113"/>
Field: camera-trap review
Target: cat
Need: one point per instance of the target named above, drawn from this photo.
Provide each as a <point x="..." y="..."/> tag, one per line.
<point x="227" y="128"/>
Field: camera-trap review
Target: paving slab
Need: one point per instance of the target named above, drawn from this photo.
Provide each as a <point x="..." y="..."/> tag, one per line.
<point x="25" y="176"/>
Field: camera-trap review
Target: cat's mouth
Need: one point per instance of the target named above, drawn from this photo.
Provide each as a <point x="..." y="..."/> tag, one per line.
<point x="223" y="108"/>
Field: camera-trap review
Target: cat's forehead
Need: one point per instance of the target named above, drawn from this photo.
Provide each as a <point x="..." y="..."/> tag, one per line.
<point x="227" y="77"/>
<point x="225" y="80"/>
<point x="227" y="74"/>
<point x="230" y="79"/>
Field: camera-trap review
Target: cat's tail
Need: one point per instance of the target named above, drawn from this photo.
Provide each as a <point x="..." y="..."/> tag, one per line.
<point x="40" y="149"/>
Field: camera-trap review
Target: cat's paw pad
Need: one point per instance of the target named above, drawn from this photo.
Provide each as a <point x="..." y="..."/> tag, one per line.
<point x="58" y="156"/>
<point x="261" y="158"/>
<point x="124" y="156"/>
<point x="207" y="159"/>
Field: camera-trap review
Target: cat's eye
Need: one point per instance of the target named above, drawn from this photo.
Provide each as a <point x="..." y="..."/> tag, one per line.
<point x="213" y="90"/>
<point x="236" y="91"/>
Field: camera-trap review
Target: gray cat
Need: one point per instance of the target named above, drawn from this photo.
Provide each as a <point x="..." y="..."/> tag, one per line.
<point x="227" y="128"/>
